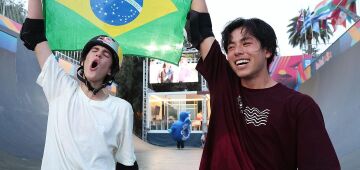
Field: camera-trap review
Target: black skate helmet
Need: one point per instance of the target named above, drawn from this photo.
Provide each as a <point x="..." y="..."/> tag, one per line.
<point x="116" y="52"/>
<point x="110" y="44"/>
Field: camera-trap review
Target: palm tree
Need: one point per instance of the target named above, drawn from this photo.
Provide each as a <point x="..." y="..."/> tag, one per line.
<point x="296" y="38"/>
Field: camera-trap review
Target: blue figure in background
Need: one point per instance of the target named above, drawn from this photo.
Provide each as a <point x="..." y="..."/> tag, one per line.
<point x="180" y="130"/>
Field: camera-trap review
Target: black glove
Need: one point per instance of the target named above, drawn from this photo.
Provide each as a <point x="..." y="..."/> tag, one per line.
<point x="120" y="166"/>
<point x="198" y="27"/>
<point x="32" y="32"/>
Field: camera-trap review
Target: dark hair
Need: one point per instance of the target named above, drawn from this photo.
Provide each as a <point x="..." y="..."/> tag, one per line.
<point x="255" y="27"/>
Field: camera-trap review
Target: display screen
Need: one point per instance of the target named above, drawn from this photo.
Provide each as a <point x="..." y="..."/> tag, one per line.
<point x="162" y="72"/>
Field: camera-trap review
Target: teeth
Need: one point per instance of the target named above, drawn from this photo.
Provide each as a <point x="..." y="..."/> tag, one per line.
<point x="242" y="61"/>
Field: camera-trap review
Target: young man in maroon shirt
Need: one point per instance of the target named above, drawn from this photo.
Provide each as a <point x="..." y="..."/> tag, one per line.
<point x="256" y="123"/>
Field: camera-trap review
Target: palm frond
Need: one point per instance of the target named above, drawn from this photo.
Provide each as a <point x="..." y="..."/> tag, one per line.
<point x="296" y="38"/>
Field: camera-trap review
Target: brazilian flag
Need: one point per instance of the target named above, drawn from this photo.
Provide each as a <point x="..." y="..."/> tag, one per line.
<point x="148" y="28"/>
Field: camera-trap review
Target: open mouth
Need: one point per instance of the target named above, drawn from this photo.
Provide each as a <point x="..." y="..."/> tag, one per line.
<point x="94" y="65"/>
<point x="242" y="62"/>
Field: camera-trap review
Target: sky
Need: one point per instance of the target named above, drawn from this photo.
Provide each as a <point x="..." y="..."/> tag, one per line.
<point x="277" y="13"/>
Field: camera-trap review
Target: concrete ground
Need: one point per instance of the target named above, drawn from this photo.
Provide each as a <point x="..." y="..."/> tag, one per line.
<point x="152" y="157"/>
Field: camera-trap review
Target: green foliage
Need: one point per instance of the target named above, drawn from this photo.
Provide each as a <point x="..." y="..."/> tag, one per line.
<point x="130" y="87"/>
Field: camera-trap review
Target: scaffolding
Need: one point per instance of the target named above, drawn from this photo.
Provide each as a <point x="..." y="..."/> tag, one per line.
<point x="145" y="98"/>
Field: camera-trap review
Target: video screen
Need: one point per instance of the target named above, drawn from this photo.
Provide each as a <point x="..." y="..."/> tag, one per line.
<point x="162" y="72"/>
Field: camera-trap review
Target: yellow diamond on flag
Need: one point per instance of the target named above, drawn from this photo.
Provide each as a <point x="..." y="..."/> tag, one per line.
<point x="116" y="17"/>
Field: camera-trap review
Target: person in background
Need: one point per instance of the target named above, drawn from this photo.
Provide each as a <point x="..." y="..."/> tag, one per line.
<point x="256" y="122"/>
<point x="166" y="74"/>
<point x="180" y="130"/>
<point x="184" y="70"/>
<point x="87" y="128"/>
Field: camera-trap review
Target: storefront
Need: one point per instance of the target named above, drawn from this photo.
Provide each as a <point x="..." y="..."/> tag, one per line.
<point x="163" y="111"/>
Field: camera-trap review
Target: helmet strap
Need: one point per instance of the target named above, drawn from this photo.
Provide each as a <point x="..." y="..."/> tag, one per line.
<point x="81" y="76"/>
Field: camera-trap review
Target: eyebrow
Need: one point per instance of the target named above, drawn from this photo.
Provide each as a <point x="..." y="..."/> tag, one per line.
<point x="95" y="47"/>
<point x="245" y="38"/>
<point x="241" y="40"/>
<point x="105" y="49"/>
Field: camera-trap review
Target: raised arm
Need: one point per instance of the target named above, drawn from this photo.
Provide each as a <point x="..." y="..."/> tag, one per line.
<point x="33" y="32"/>
<point x="201" y="27"/>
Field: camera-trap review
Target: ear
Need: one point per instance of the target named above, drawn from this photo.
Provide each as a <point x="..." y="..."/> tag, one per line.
<point x="267" y="54"/>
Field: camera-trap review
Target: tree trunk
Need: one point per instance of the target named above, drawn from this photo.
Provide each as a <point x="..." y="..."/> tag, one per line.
<point x="309" y="47"/>
<point x="309" y="37"/>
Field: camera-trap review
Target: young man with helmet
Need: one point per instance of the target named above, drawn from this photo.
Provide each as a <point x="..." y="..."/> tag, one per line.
<point x="87" y="128"/>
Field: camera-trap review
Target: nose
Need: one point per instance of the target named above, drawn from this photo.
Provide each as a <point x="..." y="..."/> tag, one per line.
<point x="98" y="54"/>
<point x="239" y="50"/>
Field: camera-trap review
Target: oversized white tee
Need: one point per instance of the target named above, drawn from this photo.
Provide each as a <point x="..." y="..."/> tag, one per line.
<point x="83" y="134"/>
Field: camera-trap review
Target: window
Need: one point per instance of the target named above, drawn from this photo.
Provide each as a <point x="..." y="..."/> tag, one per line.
<point x="165" y="109"/>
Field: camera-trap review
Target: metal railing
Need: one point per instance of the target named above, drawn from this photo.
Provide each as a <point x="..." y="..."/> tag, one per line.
<point x="72" y="56"/>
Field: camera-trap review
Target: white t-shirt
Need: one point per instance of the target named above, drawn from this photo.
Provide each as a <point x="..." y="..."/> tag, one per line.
<point x="83" y="133"/>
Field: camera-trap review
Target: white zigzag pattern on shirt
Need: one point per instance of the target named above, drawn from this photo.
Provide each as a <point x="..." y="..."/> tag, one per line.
<point x="255" y="116"/>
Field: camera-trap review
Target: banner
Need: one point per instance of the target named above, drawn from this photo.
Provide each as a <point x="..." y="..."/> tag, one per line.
<point x="148" y="28"/>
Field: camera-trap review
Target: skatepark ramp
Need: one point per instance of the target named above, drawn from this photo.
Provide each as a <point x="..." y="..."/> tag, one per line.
<point x="23" y="108"/>
<point x="336" y="88"/>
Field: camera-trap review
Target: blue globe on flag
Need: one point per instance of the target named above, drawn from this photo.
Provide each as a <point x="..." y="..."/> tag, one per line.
<point x="116" y="12"/>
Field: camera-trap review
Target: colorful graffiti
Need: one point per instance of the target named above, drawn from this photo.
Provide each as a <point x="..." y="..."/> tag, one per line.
<point x="289" y="70"/>
<point x="341" y="45"/>
<point x="8" y="42"/>
<point x="10" y="24"/>
<point x="292" y="71"/>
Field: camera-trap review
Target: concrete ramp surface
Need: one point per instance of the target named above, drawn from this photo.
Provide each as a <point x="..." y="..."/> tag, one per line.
<point x="23" y="108"/>
<point x="336" y="88"/>
<point x="151" y="157"/>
